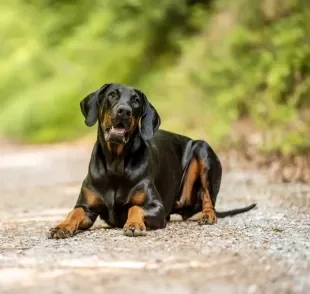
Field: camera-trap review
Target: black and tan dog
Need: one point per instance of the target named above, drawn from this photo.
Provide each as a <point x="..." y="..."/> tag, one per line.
<point x="137" y="175"/>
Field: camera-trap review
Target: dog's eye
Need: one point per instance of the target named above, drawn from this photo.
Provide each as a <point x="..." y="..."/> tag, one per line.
<point x="112" y="95"/>
<point x="135" y="100"/>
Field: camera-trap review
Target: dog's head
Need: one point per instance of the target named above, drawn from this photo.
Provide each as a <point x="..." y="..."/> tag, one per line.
<point x="119" y="109"/>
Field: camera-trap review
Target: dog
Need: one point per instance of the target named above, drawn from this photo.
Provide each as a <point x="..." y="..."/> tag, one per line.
<point x="138" y="175"/>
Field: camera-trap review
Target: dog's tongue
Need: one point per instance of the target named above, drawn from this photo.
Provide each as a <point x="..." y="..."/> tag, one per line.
<point x="120" y="131"/>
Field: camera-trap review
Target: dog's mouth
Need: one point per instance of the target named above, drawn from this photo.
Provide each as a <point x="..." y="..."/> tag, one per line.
<point x="116" y="134"/>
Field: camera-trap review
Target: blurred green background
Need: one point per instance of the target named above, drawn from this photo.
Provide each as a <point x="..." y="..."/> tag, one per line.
<point x="221" y="70"/>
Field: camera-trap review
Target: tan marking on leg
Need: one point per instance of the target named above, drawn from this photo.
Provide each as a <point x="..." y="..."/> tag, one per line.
<point x="138" y="198"/>
<point x="91" y="198"/>
<point x="197" y="168"/>
<point x="135" y="222"/>
<point x="208" y="215"/>
<point x="76" y="219"/>
<point x="203" y="176"/>
<point x="190" y="178"/>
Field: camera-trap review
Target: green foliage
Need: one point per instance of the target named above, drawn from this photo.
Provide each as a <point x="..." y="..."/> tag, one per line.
<point x="261" y="69"/>
<point x="55" y="52"/>
<point x="212" y="62"/>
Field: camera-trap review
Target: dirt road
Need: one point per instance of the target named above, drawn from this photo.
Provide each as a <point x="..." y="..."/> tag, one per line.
<point x="264" y="251"/>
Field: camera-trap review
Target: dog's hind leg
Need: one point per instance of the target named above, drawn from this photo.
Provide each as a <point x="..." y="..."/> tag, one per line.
<point x="205" y="172"/>
<point x="210" y="172"/>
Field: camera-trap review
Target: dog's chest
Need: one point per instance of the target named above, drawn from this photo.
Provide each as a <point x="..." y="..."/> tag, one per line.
<point x="116" y="188"/>
<point x="116" y="203"/>
<point x="117" y="196"/>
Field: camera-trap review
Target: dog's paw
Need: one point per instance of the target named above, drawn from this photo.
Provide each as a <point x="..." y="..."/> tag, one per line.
<point x="134" y="229"/>
<point x="207" y="218"/>
<point x="63" y="230"/>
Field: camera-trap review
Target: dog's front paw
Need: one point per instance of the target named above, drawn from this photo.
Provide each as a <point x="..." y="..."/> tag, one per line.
<point x="61" y="231"/>
<point x="207" y="218"/>
<point x="134" y="229"/>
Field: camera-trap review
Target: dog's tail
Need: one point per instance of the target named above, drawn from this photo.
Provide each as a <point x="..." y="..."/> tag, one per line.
<point x="221" y="214"/>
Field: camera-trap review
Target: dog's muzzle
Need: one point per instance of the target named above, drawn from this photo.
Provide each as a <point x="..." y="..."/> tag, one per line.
<point x="116" y="135"/>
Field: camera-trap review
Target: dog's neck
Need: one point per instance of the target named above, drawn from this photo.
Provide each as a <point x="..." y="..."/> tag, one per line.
<point x="115" y="154"/>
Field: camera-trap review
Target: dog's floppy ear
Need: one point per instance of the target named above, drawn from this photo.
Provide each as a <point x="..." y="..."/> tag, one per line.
<point x="150" y="120"/>
<point x="89" y="105"/>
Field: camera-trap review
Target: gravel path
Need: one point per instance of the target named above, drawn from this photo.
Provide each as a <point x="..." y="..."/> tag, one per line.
<point x="266" y="250"/>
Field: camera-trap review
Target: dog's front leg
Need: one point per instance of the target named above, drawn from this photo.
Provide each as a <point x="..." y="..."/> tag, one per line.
<point x="147" y="211"/>
<point x="82" y="217"/>
<point x="76" y="219"/>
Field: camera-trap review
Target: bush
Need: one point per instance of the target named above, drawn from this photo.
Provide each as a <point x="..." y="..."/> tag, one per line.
<point x="252" y="61"/>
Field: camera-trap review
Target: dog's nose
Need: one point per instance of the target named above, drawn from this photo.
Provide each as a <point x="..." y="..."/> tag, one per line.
<point x="123" y="111"/>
